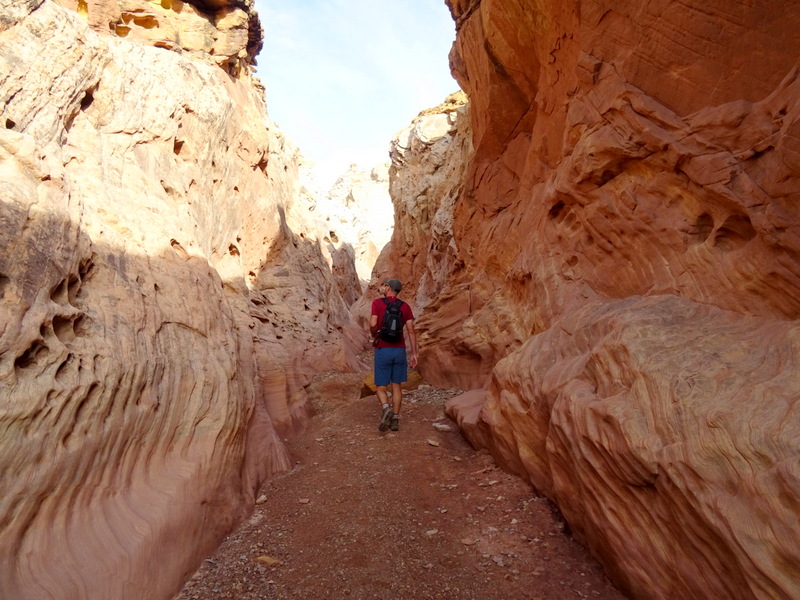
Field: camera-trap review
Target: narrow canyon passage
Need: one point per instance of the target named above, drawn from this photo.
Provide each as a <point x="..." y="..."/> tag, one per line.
<point x="414" y="514"/>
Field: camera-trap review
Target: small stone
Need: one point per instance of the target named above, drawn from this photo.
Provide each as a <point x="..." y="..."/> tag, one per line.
<point x="468" y="542"/>
<point x="304" y="500"/>
<point x="442" y="427"/>
<point x="433" y="443"/>
<point x="261" y="499"/>
<point x="431" y="532"/>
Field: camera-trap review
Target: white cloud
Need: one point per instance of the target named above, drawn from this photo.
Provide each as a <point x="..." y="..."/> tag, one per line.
<point x="343" y="76"/>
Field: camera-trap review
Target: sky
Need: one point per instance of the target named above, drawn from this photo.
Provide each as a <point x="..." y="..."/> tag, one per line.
<point x="343" y="76"/>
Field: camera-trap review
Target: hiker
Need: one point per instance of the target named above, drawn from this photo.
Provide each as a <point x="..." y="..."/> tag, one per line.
<point x="390" y="318"/>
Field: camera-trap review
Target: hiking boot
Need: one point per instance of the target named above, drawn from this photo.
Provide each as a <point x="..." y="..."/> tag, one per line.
<point x="386" y="419"/>
<point x="395" y="423"/>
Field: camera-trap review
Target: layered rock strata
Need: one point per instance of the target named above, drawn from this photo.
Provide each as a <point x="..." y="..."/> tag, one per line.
<point x="623" y="295"/>
<point x="164" y="297"/>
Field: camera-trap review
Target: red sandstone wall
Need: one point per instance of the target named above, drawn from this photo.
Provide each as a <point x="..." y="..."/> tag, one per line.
<point x="628" y="271"/>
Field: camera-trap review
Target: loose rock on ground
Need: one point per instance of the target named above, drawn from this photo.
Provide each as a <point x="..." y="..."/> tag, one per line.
<point x="414" y="514"/>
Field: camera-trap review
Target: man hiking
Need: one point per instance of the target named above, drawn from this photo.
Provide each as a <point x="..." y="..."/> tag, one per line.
<point x="390" y="318"/>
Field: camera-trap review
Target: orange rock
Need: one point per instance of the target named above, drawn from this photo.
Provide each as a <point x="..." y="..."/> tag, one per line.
<point x="624" y="284"/>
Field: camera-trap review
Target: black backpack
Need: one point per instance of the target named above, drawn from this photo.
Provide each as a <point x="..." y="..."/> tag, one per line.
<point x="392" y="327"/>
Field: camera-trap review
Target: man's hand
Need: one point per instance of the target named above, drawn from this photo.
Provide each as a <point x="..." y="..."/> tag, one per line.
<point x="413" y="360"/>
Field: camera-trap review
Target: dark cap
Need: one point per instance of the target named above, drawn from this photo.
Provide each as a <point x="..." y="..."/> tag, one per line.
<point x="394" y="284"/>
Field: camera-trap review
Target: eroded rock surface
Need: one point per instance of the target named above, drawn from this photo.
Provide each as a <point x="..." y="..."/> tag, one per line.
<point x="426" y="176"/>
<point x="624" y="289"/>
<point x="164" y="299"/>
<point x="359" y="220"/>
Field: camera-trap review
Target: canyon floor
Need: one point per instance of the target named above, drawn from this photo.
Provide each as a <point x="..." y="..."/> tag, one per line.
<point x="413" y="514"/>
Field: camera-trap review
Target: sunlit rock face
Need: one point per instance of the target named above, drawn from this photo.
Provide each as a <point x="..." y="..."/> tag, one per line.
<point x="227" y="31"/>
<point x="627" y="269"/>
<point x="426" y="176"/>
<point x="163" y="301"/>
<point x="359" y="219"/>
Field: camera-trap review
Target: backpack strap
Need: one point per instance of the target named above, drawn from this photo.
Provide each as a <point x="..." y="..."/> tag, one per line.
<point x="389" y="303"/>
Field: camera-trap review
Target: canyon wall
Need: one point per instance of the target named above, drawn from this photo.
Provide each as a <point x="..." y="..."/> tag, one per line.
<point x="623" y="293"/>
<point x="165" y="294"/>
<point x="360" y="219"/>
<point x="429" y="158"/>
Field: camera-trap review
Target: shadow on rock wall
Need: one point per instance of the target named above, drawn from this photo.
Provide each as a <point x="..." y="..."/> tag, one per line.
<point x="164" y="302"/>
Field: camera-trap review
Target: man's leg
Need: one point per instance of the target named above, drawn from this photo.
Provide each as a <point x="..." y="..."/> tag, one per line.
<point x="383" y="397"/>
<point x="397" y="397"/>
<point x="382" y="375"/>
<point x="398" y="377"/>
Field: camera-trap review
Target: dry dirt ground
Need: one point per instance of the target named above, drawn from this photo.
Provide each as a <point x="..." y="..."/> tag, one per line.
<point x="414" y="514"/>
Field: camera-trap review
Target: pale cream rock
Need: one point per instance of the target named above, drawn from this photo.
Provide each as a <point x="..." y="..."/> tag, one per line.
<point x="163" y="300"/>
<point x="359" y="209"/>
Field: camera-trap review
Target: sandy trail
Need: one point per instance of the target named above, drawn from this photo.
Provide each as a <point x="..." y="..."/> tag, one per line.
<point x="413" y="514"/>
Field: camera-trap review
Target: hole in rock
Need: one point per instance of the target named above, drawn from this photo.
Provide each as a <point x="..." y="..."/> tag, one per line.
<point x="334" y="237"/>
<point x="32" y="356"/>
<point x="81" y="325"/>
<point x="736" y="231"/>
<point x="86" y="268"/>
<point x="556" y="210"/>
<point x="87" y="100"/>
<point x="83" y="8"/>
<point x="146" y="21"/>
<point x="167" y="188"/>
<point x="5" y="282"/>
<point x="121" y="30"/>
<point x="73" y="288"/>
<point x="606" y="177"/>
<point x="10" y="124"/>
<point x="63" y="328"/>
<point x="177" y="147"/>
<point x="233" y="250"/>
<point x="60" y="293"/>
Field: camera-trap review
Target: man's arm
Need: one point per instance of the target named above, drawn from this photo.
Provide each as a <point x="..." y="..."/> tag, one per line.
<point x="412" y="340"/>
<point x="373" y="325"/>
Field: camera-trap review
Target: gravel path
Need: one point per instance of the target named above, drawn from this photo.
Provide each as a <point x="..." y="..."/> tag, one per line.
<point x="414" y="514"/>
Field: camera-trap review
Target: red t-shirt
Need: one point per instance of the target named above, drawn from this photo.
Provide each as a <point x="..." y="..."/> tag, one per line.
<point x="378" y="308"/>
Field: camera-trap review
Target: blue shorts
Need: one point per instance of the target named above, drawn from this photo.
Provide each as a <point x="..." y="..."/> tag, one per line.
<point x="390" y="366"/>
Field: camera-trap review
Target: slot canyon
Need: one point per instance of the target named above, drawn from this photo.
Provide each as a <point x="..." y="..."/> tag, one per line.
<point x="599" y="236"/>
